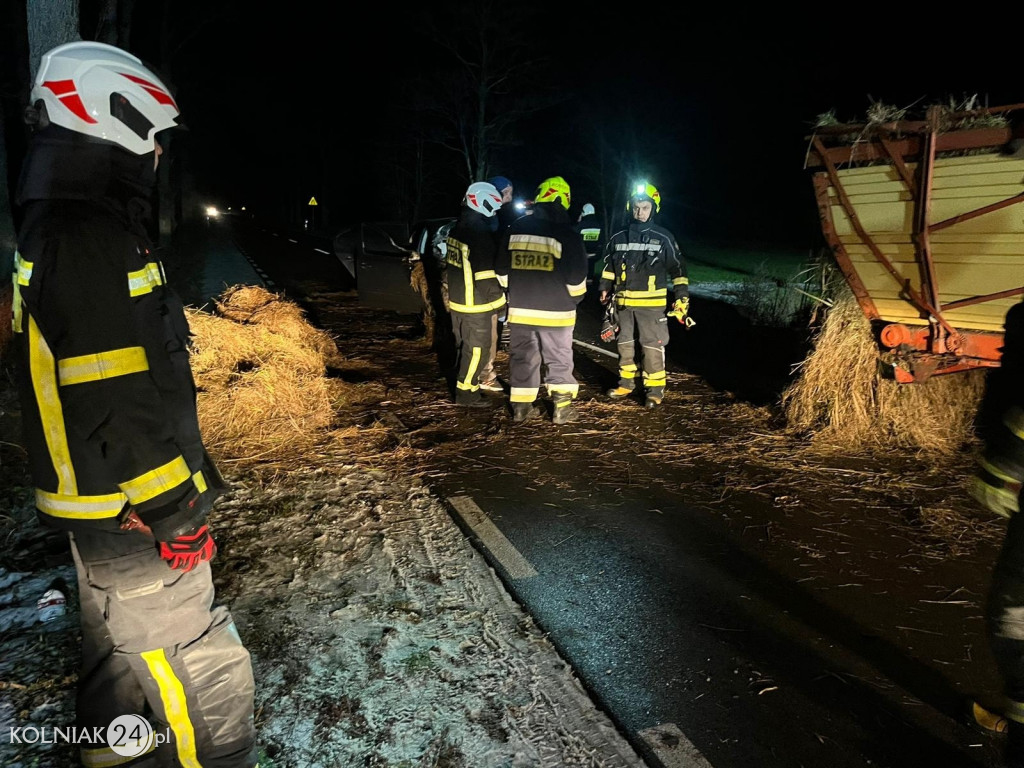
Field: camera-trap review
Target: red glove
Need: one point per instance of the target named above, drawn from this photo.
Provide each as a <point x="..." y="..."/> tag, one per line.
<point x="189" y="550"/>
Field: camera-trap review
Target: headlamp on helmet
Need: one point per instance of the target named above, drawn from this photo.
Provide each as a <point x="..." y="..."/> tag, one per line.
<point x="644" y="191"/>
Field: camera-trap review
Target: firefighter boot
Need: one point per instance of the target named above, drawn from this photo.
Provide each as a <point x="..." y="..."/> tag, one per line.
<point x="624" y="389"/>
<point x="654" y="397"/>
<point x="523" y="411"/>
<point x="563" y="412"/>
<point x="468" y="399"/>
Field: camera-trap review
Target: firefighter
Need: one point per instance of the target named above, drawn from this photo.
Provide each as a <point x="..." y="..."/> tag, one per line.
<point x="996" y="484"/>
<point x="642" y="263"/>
<point x="109" y="412"/>
<point x="589" y="227"/>
<point x="542" y="260"/>
<point x="474" y="295"/>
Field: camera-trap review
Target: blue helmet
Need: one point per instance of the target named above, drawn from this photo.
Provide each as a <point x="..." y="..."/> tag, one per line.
<point x="500" y="183"/>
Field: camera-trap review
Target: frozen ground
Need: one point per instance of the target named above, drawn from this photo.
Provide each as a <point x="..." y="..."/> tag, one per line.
<point x="379" y="637"/>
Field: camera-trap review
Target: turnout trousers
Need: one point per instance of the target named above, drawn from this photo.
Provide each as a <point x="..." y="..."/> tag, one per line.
<point x="651" y="326"/>
<point x="473" y="338"/>
<point x="533" y="346"/>
<point x="154" y="645"/>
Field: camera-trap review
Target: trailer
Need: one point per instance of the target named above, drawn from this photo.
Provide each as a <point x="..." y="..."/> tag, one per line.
<point x="925" y="221"/>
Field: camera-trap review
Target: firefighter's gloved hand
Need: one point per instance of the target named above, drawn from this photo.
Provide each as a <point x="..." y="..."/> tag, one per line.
<point x="680" y="309"/>
<point x="189" y="550"/>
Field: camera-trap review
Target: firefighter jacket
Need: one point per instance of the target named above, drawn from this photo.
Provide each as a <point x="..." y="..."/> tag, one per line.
<point x="108" y="398"/>
<point x="641" y="264"/>
<point x="1001" y="414"/>
<point x="472" y="283"/>
<point x="589" y="228"/>
<point x="543" y="261"/>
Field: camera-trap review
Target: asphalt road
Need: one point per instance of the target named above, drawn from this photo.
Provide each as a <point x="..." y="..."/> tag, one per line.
<point x="672" y="624"/>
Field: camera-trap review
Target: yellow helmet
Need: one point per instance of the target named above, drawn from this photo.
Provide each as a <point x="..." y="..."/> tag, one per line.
<point x="555" y="188"/>
<point x="645" y="191"/>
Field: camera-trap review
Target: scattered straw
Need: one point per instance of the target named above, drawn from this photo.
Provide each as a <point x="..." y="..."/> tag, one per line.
<point x="842" y="400"/>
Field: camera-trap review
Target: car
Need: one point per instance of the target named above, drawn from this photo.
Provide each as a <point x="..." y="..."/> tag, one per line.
<point x="381" y="258"/>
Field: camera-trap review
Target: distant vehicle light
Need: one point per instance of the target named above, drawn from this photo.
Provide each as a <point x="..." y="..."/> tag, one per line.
<point x="212" y="212"/>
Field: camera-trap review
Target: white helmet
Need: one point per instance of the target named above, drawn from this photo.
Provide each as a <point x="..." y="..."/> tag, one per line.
<point x="588" y="209"/>
<point x="483" y="198"/>
<point x="104" y="92"/>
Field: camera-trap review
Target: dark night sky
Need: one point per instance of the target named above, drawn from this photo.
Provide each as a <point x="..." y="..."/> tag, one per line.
<point x="733" y="97"/>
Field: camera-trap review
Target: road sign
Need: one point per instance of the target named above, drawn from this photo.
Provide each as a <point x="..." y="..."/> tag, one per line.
<point x="312" y="201"/>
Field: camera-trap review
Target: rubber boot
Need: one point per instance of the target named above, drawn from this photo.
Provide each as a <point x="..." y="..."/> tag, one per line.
<point x="523" y="411"/>
<point x="563" y="412"/>
<point x="654" y="397"/>
<point x="468" y="399"/>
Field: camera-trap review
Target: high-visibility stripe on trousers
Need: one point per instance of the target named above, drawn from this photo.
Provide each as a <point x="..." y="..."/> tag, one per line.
<point x="151" y="636"/>
<point x="651" y="326"/>
<point x="473" y="337"/>
<point x="530" y="347"/>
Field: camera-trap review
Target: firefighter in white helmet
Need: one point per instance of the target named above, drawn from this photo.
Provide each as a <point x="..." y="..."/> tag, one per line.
<point x="642" y="266"/>
<point x="474" y="295"/>
<point x="109" y="412"/>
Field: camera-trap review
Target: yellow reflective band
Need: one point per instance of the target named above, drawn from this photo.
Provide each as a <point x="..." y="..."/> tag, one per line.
<point x="680" y="281"/>
<point x="522" y="394"/>
<point x="22" y="270"/>
<point x="569" y="389"/>
<point x="536" y="244"/>
<point x="578" y="289"/>
<point x="644" y="294"/>
<point x="51" y="414"/>
<point x="80" y="507"/>
<point x="105" y="757"/>
<point x="652" y="281"/>
<point x="1015" y="711"/>
<point x="606" y="275"/>
<point x="485" y="275"/>
<point x="655" y="381"/>
<point x="542" y="317"/>
<point x="474" y="362"/>
<point x="145" y="280"/>
<point x="996" y="472"/>
<point x="1014" y="421"/>
<point x="172" y="694"/>
<point x="475" y="308"/>
<point x="157" y="481"/>
<point x="103" y="365"/>
<point x="628" y="368"/>
<point x="641" y="302"/>
<point x="200" y="480"/>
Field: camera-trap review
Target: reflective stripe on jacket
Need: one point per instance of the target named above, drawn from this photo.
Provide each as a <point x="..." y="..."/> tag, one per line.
<point x="642" y="263"/>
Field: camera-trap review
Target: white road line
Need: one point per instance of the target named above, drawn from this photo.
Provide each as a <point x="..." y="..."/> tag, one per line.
<point x="591" y="347"/>
<point x="321" y="250"/>
<point x="292" y="241"/>
<point x="672" y="748"/>
<point x="511" y="560"/>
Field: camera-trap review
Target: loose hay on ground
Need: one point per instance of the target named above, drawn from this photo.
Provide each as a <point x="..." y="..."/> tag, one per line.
<point x="840" y="397"/>
<point x="260" y="368"/>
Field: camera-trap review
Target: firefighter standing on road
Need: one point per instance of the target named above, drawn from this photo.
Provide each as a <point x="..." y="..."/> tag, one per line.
<point x="474" y="294"/>
<point x="542" y="259"/>
<point x="109" y="413"/>
<point x="589" y="227"/>
<point x="642" y="264"/>
<point x="997" y="486"/>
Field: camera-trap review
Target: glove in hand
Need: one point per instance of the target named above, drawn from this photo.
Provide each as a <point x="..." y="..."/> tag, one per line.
<point x="994" y="490"/>
<point x="680" y="309"/>
<point x="189" y="550"/>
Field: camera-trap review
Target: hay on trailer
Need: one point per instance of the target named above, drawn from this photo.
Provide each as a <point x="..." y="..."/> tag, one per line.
<point x="842" y="400"/>
<point x="261" y="368"/>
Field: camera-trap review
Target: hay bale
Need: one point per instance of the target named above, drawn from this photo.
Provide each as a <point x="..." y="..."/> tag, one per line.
<point x="843" y="402"/>
<point x="260" y="369"/>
